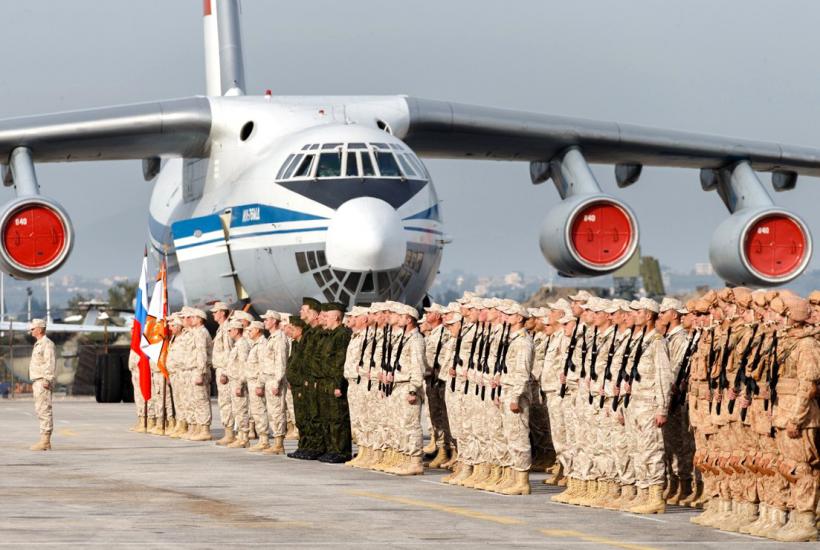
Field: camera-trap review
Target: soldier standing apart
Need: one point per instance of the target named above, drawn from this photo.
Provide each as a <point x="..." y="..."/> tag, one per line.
<point x="256" y="384"/>
<point x="222" y="347"/>
<point x="42" y="370"/>
<point x="333" y="388"/>
<point x="274" y="362"/>
<point x="199" y="366"/>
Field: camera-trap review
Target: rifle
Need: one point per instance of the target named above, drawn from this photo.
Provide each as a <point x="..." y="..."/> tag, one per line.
<point x="502" y="367"/>
<point x="470" y="361"/>
<point x="505" y="333"/>
<point x="568" y="366"/>
<point x="361" y="354"/>
<point x="485" y="361"/>
<point x="635" y="376"/>
<point x="608" y="370"/>
<point x="387" y="352"/>
<point x="456" y="355"/>
<point x="722" y="380"/>
<point x="751" y="383"/>
<point x="740" y="376"/>
<point x="622" y="369"/>
<point x="395" y="366"/>
<point x="594" y="359"/>
<point x="772" y="374"/>
<point x="436" y="364"/>
<point x="679" y="397"/>
<point x="483" y="345"/>
<point x="584" y="349"/>
<point x="372" y="361"/>
<point x="710" y="361"/>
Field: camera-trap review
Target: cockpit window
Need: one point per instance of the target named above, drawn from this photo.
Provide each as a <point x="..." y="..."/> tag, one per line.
<point x="330" y="165"/>
<point x="284" y="166"/>
<point x="405" y="166"/>
<point x="303" y="170"/>
<point x="367" y="165"/>
<point x="388" y="166"/>
<point x="352" y="168"/>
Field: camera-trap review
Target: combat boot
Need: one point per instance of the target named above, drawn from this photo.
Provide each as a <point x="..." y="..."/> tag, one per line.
<point x="479" y="472"/>
<point x="584" y="487"/>
<point x="252" y="431"/>
<point x="653" y="504"/>
<point x="683" y="492"/>
<point x="278" y="447"/>
<point x="384" y="461"/>
<point x="152" y="423"/>
<point x="430" y="448"/>
<point x="292" y="433"/>
<point x="671" y="487"/>
<point x="775" y="523"/>
<point x="763" y="516"/>
<point x="203" y="434"/>
<point x="465" y="472"/>
<point x="193" y="429"/>
<point x="170" y="426"/>
<point x="614" y="498"/>
<point x="261" y="445"/>
<point x="557" y="472"/>
<point x="365" y="457"/>
<point x="743" y="513"/>
<point x="520" y="484"/>
<point x="378" y="454"/>
<point x="493" y="476"/>
<point x="413" y="466"/>
<point x="44" y="444"/>
<point x="628" y="495"/>
<point x="180" y="429"/>
<point x="603" y="495"/>
<point x="358" y="458"/>
<point x="564" y="496"/>
<point x="640" y="499"/>
<point x="139" y="427"/>
<point x="450" y="464"/>
<point x="506" y="479"/>
<point x="800" y="528"/>
<point x="228" y="438"/>
<point x="399" y="463"/>
<point x="710" y="509"/>
<point x="241" y="442"/>
<point x="591" y="494"/>
<point x="157" y="429"/>
<point x="439" y="459"/>
<point x="484" y="475"/>
<point x="451" y="475"/>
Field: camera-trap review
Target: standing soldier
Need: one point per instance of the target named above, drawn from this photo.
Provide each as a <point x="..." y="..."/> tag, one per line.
<point x="235" y="371"/>
<point x="332" y="386"/>
<point x="175" y="363"/>
<point x="199" y="366"/>
<point x="219" y="356"/>
<point x="42" y="370"/>
<point x="256" y="384"/>
<point x="356" y="383"/>
<point x="447" y="375"/>
<point x="296" y="378"/>
<point x="139" y="401"/>
<point x="313" y="337"/>
<point x="543" y="451"/>
<point x="273" y="372"/>
<point x="434" y="388"/>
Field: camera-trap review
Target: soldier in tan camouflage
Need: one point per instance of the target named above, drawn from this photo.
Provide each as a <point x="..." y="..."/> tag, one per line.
<point x="42" y="371"/>
<point x="199" y="369"/>
<point x="219" y="356"/>
<point x="357" y="322"/>
<point x="274" y="362"/>
<point x="256" y="384"/>
<point x="234" y="369"/>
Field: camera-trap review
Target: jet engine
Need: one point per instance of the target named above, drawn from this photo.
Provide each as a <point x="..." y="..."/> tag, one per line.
<point x="589" y="232"/>
<point x="764" y="246"/>
<point x="36" y="237"/>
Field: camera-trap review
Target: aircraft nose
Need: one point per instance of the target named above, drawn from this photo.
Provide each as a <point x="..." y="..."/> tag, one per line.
<point x="365" y="235"/>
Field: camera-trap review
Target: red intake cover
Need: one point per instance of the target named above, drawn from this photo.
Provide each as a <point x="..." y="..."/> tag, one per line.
<point x="34" y="236"/>
<point x="601" y="233"/>
<point x="775" y="245"/>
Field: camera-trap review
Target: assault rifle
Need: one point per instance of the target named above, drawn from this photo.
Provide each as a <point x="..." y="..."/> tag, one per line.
<point x="436" y="365"/>
<point x="497" y="368"/>
<point x="622" y="369"/>
<point x="568" y="366"/>
<point x="679" y="397"/>
<point x="395" y="366"/>
<point x="584" y="349"/>
<point x="486" y="359"/>
<point x="608" y="370"/>
<point x="361" y="354"/>
<point x="387" y="352"/>
<point x="722" y="380"/>
<point x="372" y="361"/>
<point x="635" y="376"/>
<point x="772" y="374"/>
<point x="483" y="347"/>
<point x="503" y="348"/>
<point x="471" y="360"/>
<point x="740" y="376"/>
<point x="456" y="355"/>
<point x="594" y="359"/>
<point x="750" y="382"/>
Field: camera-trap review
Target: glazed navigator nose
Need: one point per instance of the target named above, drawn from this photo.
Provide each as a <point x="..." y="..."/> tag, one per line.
<point x="365" y="235"/>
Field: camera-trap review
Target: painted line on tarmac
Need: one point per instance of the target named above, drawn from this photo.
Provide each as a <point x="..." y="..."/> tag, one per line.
<point x="565" y="533"/>
<point x="67" y="432"/>
<point x="642" y="516"/>
<point x="455" y="510"/>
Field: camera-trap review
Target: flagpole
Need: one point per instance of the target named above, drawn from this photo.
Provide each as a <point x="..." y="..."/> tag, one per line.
<point x="164" y="412"/>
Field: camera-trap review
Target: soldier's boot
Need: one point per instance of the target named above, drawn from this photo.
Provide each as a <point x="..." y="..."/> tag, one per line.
<point x="604" y="495"/>
<point x="593" y="487"/>
<point x="800" y="528"/>
<point x="228" y="438"/>
<point x="478" y="473"/>
<point x="278" y="447"/>
<point x="171" y="426"/>
<point x="743" y="513"/>
<point x="710" y="509"/>
<point x="356" y="459"/>
<point x="193" y="429"/>
<point x="492" y="478"/>
<point x="683" y="492"/>
<point x="413" y="466"/>
<point x="519" y="484"/>
<point x="157" y="429"/>
<point x="180" y="429"/>
<point x="261" y="445"/>
<point x="450" y="464"/>
<point x="613" y="498"/>
<point x="563" y="497"/>
<point x="139" y="427"/>
<point x="720" y="510"/>
<point x="430" y="448"/>
<point x="654" y="503"/>
<point x="584" y="487"/>
<point x="399" y="464"/>
<point x="384" y="461"/>
<point x="439" y="459"/>
<point x="557" y="472"/>
<point x="464" y="472"/>
<point x="367" y="459"/>
<point x="628" y="495"/>
<point x="483" y="476"/>
<point x="775" y="523"/>
<point x="292" y="433"/>
<point x="152" y="424"/>
<point x="241" y="441"/>
<point x="252" y="431"/>
<point x="763" y="517"/>
<point x="672" y="485"/>
<point x="452" y="474"/>
<point x="204" y="433"/>
<point x="44" y="444"/>
<point x="700" y="499"/>
<point x="639" y="499"/>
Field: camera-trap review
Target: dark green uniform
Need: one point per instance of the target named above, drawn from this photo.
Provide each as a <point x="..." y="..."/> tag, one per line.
<point x="295" y="374"/>
<point x="314" y="437"/>
<point x="335" y="414"/>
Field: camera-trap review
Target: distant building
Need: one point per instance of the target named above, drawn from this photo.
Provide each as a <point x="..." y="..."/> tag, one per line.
<point x="514" y="279"/>
<point x="704" y="269"/>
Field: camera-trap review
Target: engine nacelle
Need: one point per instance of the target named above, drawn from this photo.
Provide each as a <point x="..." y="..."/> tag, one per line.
<point x="589" y="234"/>
<point x="763" y="246"/>
<point x="37" y="237"/>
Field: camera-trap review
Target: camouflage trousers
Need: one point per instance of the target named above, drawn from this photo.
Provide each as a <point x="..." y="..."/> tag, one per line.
<point x="185" y="391"/>
<point x="558" y="428"/>
<point x="223" y="399"/>
<point x="570" y="418"/>
<point x="491" y="436"/>
<point x="679" y="444"/>
<point x="42" y="406"/>
<point x="542" y="448"/>
<point x="356" y="396"/>
<point x="406" y="419"/>
<point x="276" y="405"/>
<point x="375" y="429"/>
<point x="516" y="427"/>
<point x="201" y="398"/>
<point x="798" y="465"/>
<point x="586" y="435"/>
<point x="472" y="424"/>
<point x="289" y="400"/>
<point x="257" y="405"/>
<point x="455" y="411"/>
<point x="158" y="383"/>
<point x="645" y="443"/>
<point x="611" y="445"/>
<point x="139" y="401"/>
<point x="239" y="404"/>
<point x="437" y="408"/>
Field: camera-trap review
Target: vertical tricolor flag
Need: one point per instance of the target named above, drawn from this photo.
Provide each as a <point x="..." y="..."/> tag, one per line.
<point x="137" y="337"/>
<point x="155" y="331"/>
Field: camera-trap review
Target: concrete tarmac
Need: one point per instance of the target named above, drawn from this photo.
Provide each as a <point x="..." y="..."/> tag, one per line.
<point x="105" y="486"/>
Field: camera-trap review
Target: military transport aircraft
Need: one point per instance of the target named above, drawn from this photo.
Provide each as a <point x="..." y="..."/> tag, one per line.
<point x="270" y="198"/>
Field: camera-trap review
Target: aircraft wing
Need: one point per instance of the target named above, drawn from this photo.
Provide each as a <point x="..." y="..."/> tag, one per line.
<point x="20" y="326"/>
<point x="136" y="131"/>
<point x="453" y="130"/>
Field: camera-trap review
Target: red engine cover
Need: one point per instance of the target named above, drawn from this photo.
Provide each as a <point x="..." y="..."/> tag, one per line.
<point x="34" y="236"/>
<point x="775" y="245"/>
<point x="601" y="233"/>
